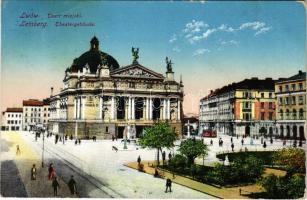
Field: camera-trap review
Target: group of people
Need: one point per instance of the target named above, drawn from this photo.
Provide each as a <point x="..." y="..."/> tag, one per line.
<point x="221" y="142"/>
<point x="52" y="176"/>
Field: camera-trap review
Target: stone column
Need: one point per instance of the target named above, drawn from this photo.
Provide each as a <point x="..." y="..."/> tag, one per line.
<point x="164" y="109"/>
<point x="150" y="108"/>
<point x="129" y="108"/>
<point x="146" y="116"/>
<point x="79" y="107"/>
<point x="100" y="107"/>
<point x="178" y="109"/>
<point x="132" y="108"/>
<point x="83" y="100"/>
<point x="168" y="109"/>
<point x="112" y="113"/>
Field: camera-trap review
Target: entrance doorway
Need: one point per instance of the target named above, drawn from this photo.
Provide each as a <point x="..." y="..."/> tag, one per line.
<point x="247" y="130"/>
<point x="120" y="131"/>
<point x="294" y="129"/>
<point x="302" y="135"/>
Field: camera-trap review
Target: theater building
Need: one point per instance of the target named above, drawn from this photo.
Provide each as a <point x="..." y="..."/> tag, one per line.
<point x="100" y="98"/>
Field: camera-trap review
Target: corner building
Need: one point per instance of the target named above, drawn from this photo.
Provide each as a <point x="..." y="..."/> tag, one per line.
<point x="291" y="106"/>
<point x="100" y="98"/>
<point x="243" y="108"/>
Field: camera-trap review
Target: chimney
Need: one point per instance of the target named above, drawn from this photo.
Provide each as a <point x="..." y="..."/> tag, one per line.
<point x="51" y="92"/>
<point x="300" y="72"/>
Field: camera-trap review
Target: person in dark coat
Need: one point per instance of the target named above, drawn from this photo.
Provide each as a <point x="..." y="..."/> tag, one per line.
<point x="79" y="141"/>
<point x="139" y="160"/>
<point x="33" y="172"/>
<point x="72" y="185"/>
<point x="168" y="185"/>
<point x="242" y="141"/>
<point x="50" y="170"/>
<point x="211" y="142"/>
<point x="169" y="156"/>
<point x="264" y="144"/>
<point x="163" y="157"/>
<point x="55" y="185"/>
<point x="232" y="146"/>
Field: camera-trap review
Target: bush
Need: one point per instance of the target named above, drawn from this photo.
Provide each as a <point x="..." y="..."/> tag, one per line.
<point x="284" y="187"/>
<point x="265" y="156"/>
<point x="178" y="162"/>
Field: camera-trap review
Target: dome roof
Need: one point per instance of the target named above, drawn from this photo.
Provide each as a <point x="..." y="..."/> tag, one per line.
<point x="94" y="57"/>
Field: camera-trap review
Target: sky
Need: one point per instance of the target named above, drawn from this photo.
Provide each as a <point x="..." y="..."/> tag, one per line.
<point x="210" y="43"/>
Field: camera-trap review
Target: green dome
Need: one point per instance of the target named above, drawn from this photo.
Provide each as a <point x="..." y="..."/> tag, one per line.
<point x="94" y="57"/>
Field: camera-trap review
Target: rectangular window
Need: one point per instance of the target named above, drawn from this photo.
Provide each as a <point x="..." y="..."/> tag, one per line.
<point x="300" y="85"/>
<point x="262" y="115"/>
<point x="280" y="88"/>
<point x="31" y="109"/>
<point x="15" y="121"/>
<point x="107" y="129"/>
<point x="287" y="100"/>
<point x="44" y="109"/>
<point x="300" y="100"/>
<point x="287" y="88"/>
<point x="270" y="95"/>
<point x="262" y="95"/>
<point x="26" y="109"/>
<point x="293" y="100"/>
<point x="270" y="116"/>
<point x="270" y="105"/>
<point x="8" y="115"/>
<point x="44" y="114"/>
<point x="26" y="120"/>
<point x="293" y="87"/>
<point x="48" y="114"/>
<point x="280" y="101"/>
<point x="8" y="121"/>
<point x="262" y="105"/>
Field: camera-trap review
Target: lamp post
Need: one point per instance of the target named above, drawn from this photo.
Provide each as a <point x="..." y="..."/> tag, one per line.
<point x="43" y="131"/>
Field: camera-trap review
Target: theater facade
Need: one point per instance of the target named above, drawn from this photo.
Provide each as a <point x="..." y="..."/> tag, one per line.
<point x="100" y="98"/>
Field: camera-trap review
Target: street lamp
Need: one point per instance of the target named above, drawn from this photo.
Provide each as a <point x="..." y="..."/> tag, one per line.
<point x="43" y="131"/>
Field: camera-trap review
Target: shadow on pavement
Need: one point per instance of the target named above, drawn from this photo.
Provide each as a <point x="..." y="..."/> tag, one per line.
<point x="11" y="183"/>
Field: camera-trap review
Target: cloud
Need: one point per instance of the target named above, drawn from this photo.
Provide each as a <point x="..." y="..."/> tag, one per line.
<point x="204" y="35"/>
<point x="199" y="52"/>
<point x="173" y="38"/>
<point x="176" y="49"/>
<point x="263" y="30"/>
<point x="194" y="26"/>
<point x="252" y="25"/>
<point x="224" y="27"/>
<point x="230" y="42"/>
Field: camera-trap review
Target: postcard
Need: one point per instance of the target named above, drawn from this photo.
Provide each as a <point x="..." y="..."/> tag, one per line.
<point x="153" y="99"/>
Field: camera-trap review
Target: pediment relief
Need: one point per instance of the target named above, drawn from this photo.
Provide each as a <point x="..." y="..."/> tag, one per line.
<point x="137" y="72"/>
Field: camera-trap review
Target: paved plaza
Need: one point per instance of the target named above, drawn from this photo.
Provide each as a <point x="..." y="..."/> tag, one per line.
<point x="100" y="171"/>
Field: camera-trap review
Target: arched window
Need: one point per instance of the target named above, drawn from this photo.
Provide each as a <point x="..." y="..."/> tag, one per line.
<point x="281" y="114"/>
<point x="301" y="113"/>
<point x="294" y="114"/>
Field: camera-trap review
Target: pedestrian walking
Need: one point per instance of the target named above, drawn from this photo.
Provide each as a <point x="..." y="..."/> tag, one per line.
<point x="168" y="185"/>
<point x="139" y="160"/>
<point x="18" y="152"/>
<point x="271" y="140"/>
<point x="33" y="172"/>
<point x="79" y="141"/>
<point x="169" y="156"/>
<point x="232" y="146"/>
<point x="72" y="185"/>
<point x="163" y="157"/>
<point x="55" y="185"/>
<point x="242" y="141"/>
<point x="211" y="142"/>
<point x="264" y="144"/>
<point x="284" y="143"/>
<point x="76" y="142"/>
<point x="231" y="140"/>
<point x="51" y="172"/>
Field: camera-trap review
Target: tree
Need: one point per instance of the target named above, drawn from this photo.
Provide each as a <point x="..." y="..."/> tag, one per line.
<point x="292" y="159"/>
<point x="192" y="148"/>
<point x="159" y="136"/>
